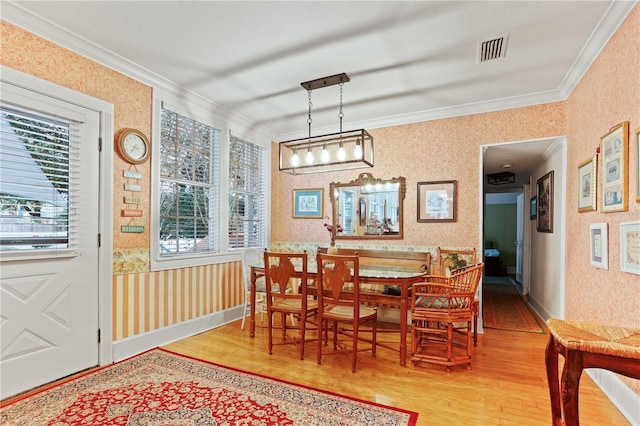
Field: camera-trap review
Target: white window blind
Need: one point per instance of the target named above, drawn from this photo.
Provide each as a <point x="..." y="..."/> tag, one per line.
<point x="189" y="186"/>
<point x="36" y="167"/>
<point x="247" y="187"/>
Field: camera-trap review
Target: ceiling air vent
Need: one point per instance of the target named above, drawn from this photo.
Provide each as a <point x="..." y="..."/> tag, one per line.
<point x="493" y="49"/>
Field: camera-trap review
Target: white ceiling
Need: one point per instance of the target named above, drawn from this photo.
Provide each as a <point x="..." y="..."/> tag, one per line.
<point x="408" y="61"/>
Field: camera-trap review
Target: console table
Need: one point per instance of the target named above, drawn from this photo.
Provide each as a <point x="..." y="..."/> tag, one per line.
<point x="585" y="345"/>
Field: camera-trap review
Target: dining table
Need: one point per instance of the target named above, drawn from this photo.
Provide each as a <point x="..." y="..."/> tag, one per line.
<point x="379" y="277"/>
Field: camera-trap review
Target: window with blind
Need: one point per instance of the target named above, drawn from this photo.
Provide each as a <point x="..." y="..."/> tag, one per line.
<point x="247" y="216"/>
<point x="35" y="169"/>
<point x="189" y="186"/>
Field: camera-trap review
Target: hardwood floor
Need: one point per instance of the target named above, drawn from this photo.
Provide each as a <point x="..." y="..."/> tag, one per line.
<point x="506" y="386"/>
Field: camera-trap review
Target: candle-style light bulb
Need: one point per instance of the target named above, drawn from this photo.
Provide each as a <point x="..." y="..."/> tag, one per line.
<point x="325" y="154"/>
<point x="309" y="157"/>
<point x="341" y="152"/>
<point x="357" y="153"/>
<point x="295" y="160"/>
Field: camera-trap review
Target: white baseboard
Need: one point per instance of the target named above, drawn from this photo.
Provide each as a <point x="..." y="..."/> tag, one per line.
<point x="131" y="346"/>
<point x="626" y="400"/>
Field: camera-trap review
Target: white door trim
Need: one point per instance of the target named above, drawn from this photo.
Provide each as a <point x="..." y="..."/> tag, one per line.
<point x="105" y="219"/>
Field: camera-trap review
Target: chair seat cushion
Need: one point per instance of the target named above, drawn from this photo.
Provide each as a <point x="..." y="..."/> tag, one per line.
<point x="433" y="302"/>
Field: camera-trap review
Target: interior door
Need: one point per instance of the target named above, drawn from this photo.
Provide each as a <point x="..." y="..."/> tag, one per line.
<point x="520" y="237"/>
<point x="48" y="288"/>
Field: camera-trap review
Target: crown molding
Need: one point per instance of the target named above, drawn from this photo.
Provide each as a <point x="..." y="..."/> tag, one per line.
<point x="607" y="27"/>
<point x="15" y="14"/>
<point x="616" y="14"/>
<point x="442" y="113"/>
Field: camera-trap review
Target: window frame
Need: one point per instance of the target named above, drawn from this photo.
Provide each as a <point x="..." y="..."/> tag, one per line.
<point x="228" y="124"/>
<point x="262" y="169"/>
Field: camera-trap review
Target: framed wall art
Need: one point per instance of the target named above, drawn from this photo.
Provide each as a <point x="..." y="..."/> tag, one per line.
<point x="587" y="184"/>
<point x="630" y="247"/>
<point x="614" y="147"/>
<point x="544" y="219"/>
<point x="598" y="240"/>
<point x="307" y="203"/>
<point x="533" y="207"/>
<point x="437" y="201"/>
<point x="637" y="132"/>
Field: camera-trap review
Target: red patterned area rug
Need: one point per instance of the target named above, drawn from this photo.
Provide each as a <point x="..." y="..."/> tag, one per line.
<point x="504" y="308"/>
<point x="160" y="387"/>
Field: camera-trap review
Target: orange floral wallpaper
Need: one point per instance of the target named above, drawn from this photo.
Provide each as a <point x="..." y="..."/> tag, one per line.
<point x="446" y="149"/>
<point x="608" y="94"/>
<point x="132" y="100"/>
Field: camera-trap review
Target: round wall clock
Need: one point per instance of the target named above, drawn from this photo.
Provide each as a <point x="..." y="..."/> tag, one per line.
<point x="133" y="146"/>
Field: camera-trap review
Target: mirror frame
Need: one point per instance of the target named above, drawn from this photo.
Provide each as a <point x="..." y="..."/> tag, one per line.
<point x="363" y="179"/>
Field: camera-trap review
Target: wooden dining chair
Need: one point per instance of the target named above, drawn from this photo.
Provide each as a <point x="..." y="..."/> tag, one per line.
<point x="462" y="257"/>
<point x="339" y="303"/>
<point x="438" y="306"/>
<point x="286" y="287"/>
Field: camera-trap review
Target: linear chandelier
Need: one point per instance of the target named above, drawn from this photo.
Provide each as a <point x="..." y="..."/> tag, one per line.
<point x="331" y="152"/>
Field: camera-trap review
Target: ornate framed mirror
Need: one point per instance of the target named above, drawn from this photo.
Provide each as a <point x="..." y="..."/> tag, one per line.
<point x="368" y="207"/>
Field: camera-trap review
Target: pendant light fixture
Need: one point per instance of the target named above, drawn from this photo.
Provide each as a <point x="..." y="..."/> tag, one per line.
<point x="336" y="151"/>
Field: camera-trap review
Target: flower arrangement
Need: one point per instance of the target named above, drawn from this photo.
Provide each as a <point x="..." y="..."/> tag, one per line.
<point x="333" y="230"/>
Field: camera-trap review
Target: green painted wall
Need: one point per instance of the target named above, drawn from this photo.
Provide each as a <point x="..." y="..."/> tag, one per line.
<point x="500" y="228"/>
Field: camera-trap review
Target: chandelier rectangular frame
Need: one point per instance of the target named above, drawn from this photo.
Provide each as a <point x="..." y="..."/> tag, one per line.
<point x="330" y="152"/>
<point x="349" y="141"/>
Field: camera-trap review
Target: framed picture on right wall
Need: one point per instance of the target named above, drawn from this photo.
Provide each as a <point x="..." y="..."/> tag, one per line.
<point x="614" y="148"/>
<point x="630" y="247"/>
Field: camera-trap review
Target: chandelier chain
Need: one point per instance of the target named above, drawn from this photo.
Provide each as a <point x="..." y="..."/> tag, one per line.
<point x="309" y="120"/>
<point x="341" y="114"/>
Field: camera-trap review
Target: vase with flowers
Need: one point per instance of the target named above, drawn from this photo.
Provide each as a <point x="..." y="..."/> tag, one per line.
<point x="333" y="231"/>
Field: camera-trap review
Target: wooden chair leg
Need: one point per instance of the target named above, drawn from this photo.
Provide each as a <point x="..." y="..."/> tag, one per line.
<point x="374" y="338"/>
<point x="475" y="330"/>
<point x="270" y="332"/>
<point x="303" y="329"/>
<point x="354" y="347"/>
<point x="283" y="321"/>
<point x="449" y="344"/>
<point x="320" y="338"/>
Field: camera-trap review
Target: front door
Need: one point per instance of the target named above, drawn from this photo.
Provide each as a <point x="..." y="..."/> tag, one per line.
<point x="49" y="254"/>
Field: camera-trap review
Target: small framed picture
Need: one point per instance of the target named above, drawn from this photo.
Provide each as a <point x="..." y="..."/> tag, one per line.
<point x="614" y="147"/>
<point x="587" y="184"/>
<point x="437" y="201"/>
<point x="533" y="207"/>
<point x="545" y="203"/>
<point x="307" y="203"/>
<point x="630" y="247"/>
<point x="599" y="245"/>
<point x="637" y="132"/>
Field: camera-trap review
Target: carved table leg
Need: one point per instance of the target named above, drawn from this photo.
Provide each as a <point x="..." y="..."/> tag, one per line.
<point x="551" y="361"/>
<point x="570" y="384"/>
